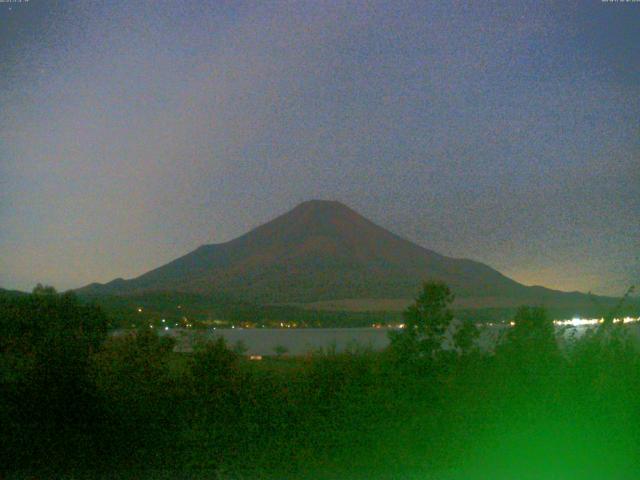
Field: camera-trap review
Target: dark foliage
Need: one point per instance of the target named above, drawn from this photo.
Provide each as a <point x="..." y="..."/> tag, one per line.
<point x="77" y="404"/>
<point x="48" y="403"/>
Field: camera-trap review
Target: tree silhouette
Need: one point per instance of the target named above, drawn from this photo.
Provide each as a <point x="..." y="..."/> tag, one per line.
<point x="240" y="348"/>
<point x="40" y="289"/>
<point x="465" y="337"/>
<point x="280" y="350"/>
<point x="530" y="343"/>
<point x="425" y="323"/>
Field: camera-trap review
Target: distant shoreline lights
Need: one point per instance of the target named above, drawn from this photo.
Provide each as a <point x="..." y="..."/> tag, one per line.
<point x="579" y="322"/>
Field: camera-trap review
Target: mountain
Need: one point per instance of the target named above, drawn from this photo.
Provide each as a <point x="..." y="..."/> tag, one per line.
<point x="11" y="293"/>
<point x="325" y="254"/>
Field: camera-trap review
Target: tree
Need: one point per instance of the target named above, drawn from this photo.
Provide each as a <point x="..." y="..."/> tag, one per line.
<point x="531" y="341"/>
<point x="214" y="368"/>
<point x="465" y="337"/>
<point x="425" y="323"/>
<point x="280" y="350"/>
<point x="216" y="386"/>
<point x="240" y="348"/>
<point x="40" y="289"/>
<point x="609" y="344"/>
<point x="47" y="341"/>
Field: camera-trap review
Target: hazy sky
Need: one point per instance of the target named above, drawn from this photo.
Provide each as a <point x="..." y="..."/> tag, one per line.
<point x="131" y="132"/>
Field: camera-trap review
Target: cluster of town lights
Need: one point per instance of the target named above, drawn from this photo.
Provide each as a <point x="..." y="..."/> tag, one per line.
<point x="573" y="322"/>
<point x="166" y="327"/>
<point x="579" y="322"/>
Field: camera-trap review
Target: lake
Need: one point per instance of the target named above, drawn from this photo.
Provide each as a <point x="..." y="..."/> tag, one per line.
<point x="299" y="341"/>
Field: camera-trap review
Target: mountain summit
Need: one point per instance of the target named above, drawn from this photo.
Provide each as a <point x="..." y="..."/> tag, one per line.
<point x="324" y="251"/>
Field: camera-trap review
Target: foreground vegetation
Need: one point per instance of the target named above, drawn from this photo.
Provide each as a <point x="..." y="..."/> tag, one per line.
<point x="75" y="402"/>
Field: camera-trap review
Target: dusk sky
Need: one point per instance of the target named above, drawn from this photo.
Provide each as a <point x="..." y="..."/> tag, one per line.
<point x="133" y="132"/>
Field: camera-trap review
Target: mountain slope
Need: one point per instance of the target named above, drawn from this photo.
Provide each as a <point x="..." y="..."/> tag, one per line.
<point x="323" y="250"/>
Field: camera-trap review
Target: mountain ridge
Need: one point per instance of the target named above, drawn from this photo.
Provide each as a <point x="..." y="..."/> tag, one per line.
<point x="322" y="250"/>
